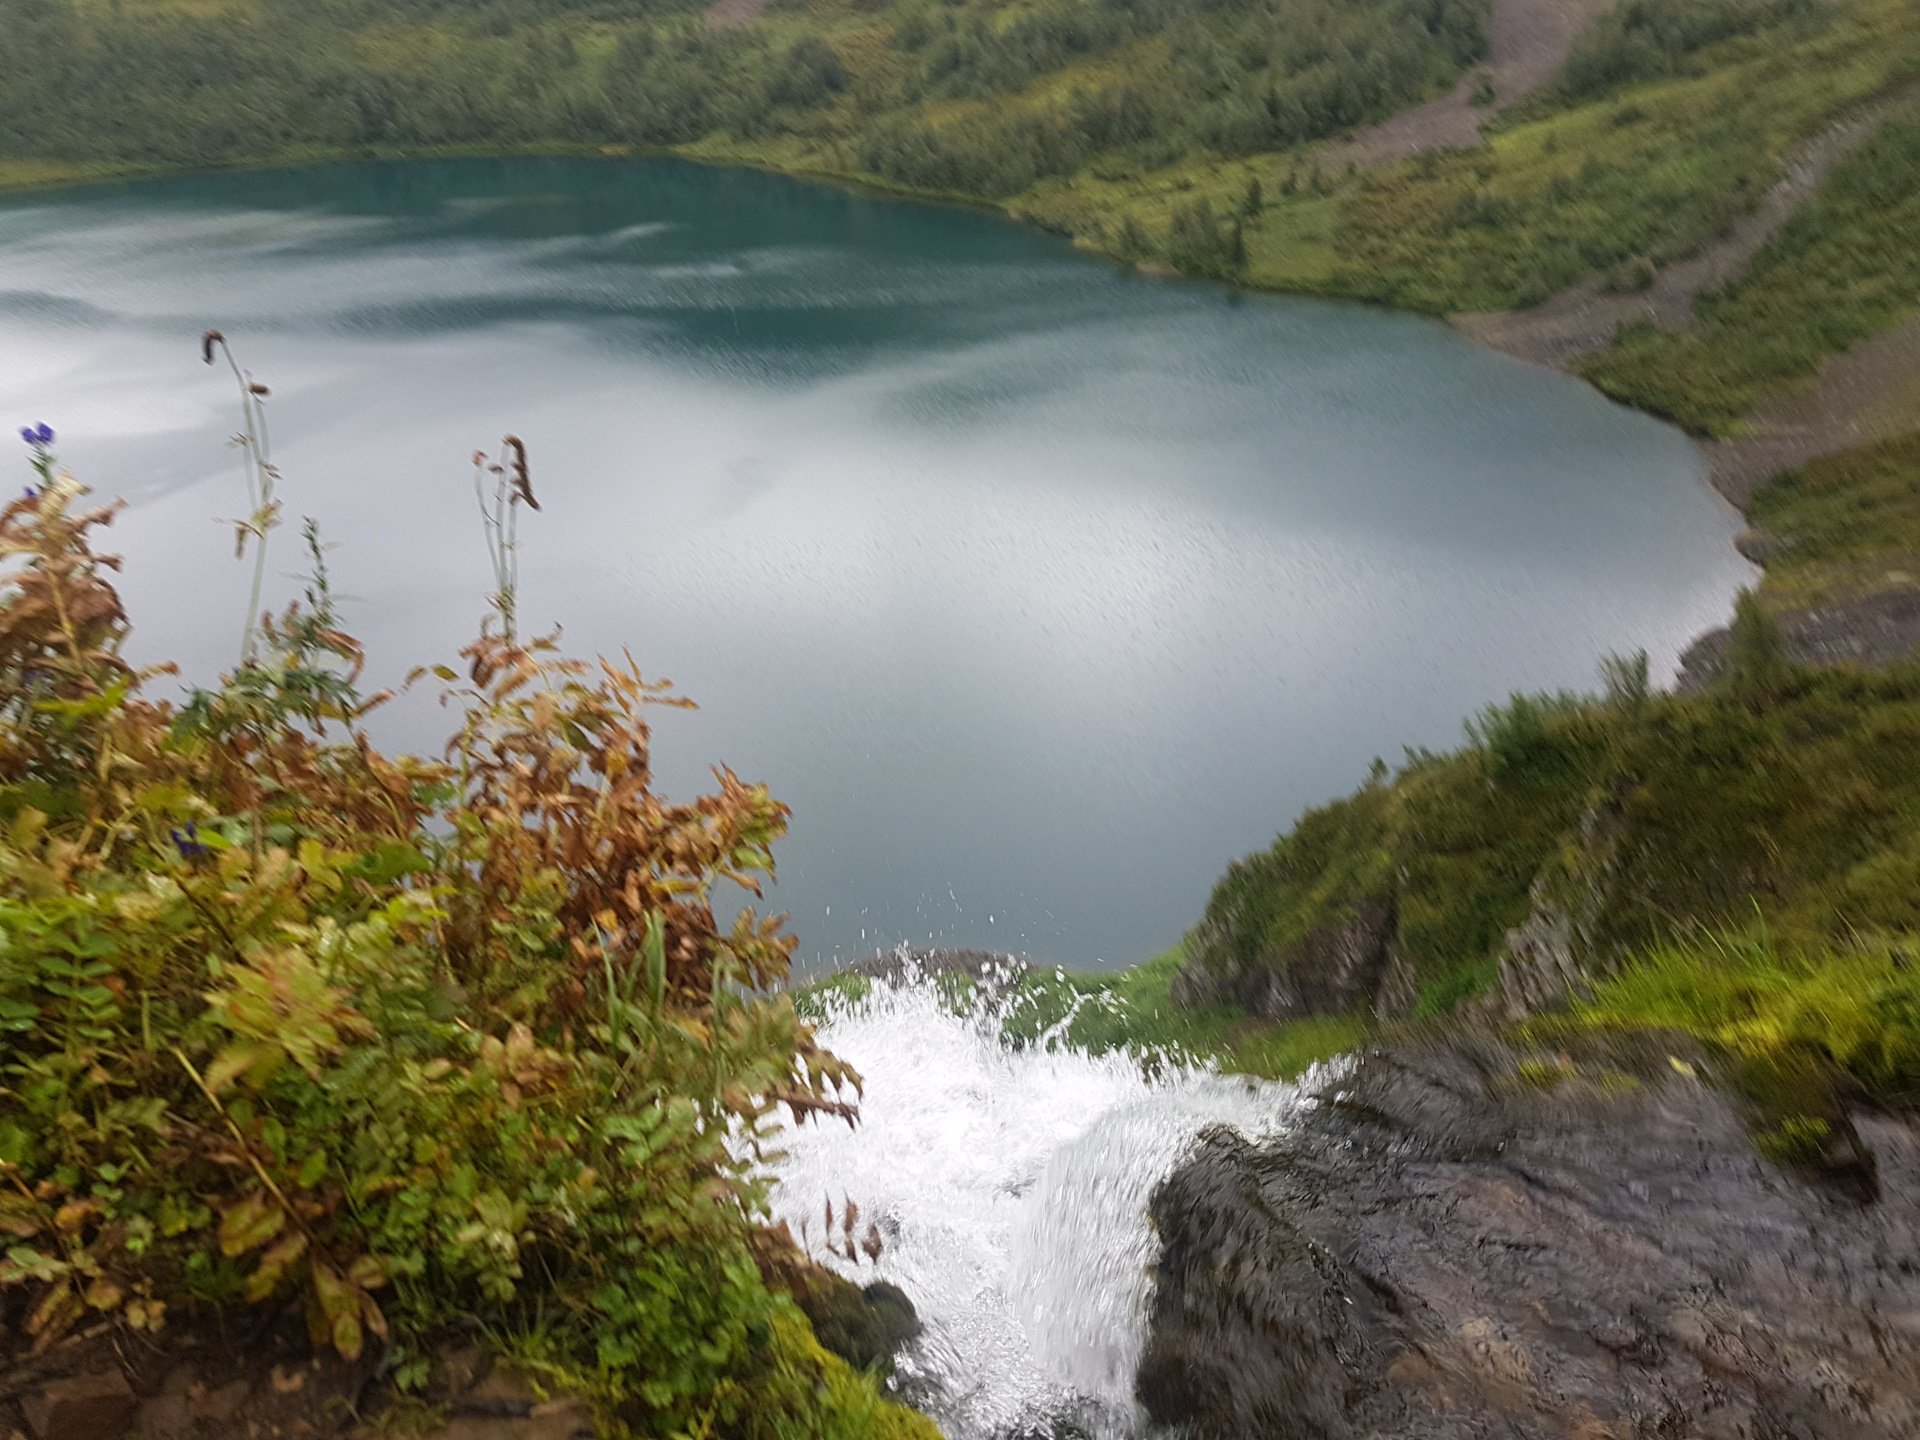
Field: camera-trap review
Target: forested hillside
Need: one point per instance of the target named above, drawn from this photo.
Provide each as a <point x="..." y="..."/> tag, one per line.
<point x="898" y="90"/>
<point x="1236" y="138"/>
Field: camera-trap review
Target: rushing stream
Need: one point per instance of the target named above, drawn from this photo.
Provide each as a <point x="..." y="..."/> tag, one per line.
<point x="1011" y="1186"/>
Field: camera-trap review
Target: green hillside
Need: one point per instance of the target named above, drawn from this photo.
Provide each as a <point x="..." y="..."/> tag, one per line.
<point x="1227" y="138"/>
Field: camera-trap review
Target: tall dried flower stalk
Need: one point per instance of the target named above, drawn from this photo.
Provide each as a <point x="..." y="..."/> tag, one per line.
<point x="263" y="515"/>
<point x="501" y="487"/>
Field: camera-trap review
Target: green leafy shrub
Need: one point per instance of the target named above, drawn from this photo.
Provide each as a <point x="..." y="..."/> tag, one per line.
<point x="412" y="1044"/>
<point x="1655" y="816"/>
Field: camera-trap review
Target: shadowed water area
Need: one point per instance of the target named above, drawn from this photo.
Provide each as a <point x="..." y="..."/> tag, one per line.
<point x="1038" y="590"/>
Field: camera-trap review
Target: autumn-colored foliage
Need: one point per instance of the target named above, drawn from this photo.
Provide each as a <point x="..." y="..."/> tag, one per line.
<point x="407" y="1043"/>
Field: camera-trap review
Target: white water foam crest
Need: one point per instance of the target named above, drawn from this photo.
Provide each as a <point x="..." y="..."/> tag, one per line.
<point x="1010" y="1186"/>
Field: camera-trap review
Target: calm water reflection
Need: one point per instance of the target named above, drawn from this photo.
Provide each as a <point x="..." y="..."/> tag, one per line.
<point x="1040" y="592"/>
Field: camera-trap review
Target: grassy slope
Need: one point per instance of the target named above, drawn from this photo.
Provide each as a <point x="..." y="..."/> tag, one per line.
<point x="1791" y="809"/>
<point x="1848" y="525"/>
<point x="1843" y="267"/>
<point x="1853" y="1011"/>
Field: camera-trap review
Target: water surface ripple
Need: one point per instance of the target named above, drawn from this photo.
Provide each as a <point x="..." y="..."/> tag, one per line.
<point x="1039" y="591"/>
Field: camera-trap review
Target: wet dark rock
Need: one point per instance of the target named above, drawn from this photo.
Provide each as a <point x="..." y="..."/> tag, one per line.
<point x="872" y="1335"/>
<point x="863" y="1325"/>
<point x="1335" y="969"/>
<point x="1466" y="1238"/>
<point x="81" y="1407"/>
<point x="1242" y="1290"/>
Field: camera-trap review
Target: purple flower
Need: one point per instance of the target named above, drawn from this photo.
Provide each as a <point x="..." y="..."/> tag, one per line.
<point x="187" y="842"/>
<point x="39" y="436"/>
<point x="31" y="493"/>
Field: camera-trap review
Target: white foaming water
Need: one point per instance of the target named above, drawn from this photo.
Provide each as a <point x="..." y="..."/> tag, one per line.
<point x="1010" y="1186"/>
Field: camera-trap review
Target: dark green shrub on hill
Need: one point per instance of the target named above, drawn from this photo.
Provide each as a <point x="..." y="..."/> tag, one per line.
<point x="810" y="74"/>
<point x="1203" y="243"/>
<point x="1645" y="39"/>
<point x="1783" y="794"/>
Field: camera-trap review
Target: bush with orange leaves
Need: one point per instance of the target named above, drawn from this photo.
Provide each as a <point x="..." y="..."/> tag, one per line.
<point x="400" y="1044"/>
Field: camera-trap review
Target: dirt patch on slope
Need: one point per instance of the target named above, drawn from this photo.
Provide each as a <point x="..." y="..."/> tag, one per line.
<point x="1583" y="320"/>
<point x="1872" y="392"/>
<point x="1530" y="41"/>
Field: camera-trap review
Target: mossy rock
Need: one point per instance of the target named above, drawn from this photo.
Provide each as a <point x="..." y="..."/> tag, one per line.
<point x="863" y="1325"/>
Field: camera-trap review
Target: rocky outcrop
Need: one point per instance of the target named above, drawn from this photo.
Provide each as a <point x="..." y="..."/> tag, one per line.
<point x="865" y="1325"/>
<point x="1553" y="956"/>
<point x="1876" y="629"/>
<point x="1334" y="969"/>
<point x="1399" y="990"/>
<point x="1465" y="1239"/>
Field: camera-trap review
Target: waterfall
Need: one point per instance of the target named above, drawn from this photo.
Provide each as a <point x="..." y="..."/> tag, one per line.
<point x="1009" y="1184"/>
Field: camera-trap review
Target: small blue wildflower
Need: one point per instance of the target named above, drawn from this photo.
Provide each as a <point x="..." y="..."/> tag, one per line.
<point x="187" y="842"/>
<point x="29" y="434"/>
<point x="31" y="493"/>
<point x="43" y="435"/>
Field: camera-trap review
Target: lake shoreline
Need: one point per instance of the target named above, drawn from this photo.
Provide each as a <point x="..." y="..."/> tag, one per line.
<point x="54" y="178"/>
<point x="1847" y="402"/>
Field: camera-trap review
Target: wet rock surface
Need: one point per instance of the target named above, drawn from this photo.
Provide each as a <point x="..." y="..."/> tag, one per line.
<point x="1465" y="1239"/>
<point x="865" y="1325"/>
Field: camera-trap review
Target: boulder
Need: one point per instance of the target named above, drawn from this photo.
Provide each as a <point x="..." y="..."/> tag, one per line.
<point x="863" y="1325"/>
<point x="81" y="1407"/>
<point x="1465" y="1238"/>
